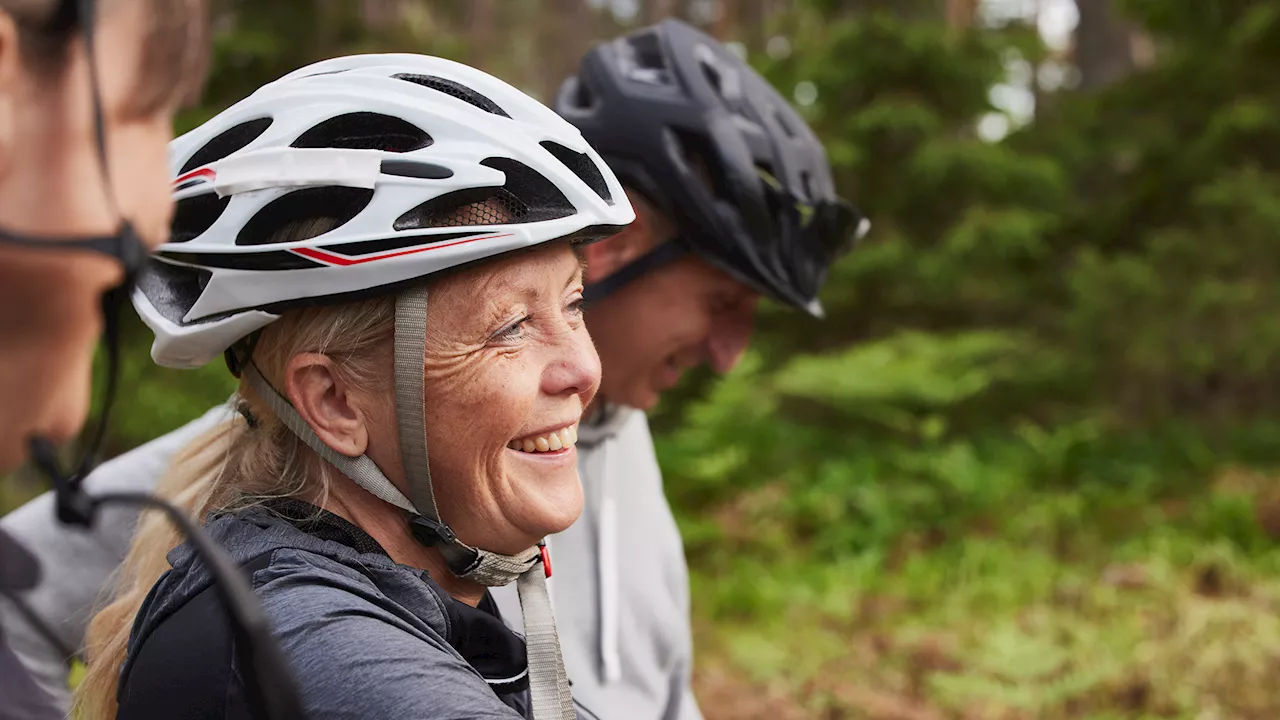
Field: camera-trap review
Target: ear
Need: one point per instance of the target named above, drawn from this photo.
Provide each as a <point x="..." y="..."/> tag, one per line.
<point x="11" y="76"/>
<point x="610" y="255"/>
<point x="325" y="401"/>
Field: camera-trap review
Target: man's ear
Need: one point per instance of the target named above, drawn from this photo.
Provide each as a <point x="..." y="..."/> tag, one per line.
<point x="325" y="401"/>
<point x="610" y="255"/>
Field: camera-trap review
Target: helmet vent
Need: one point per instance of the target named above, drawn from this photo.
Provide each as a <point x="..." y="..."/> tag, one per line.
<point x="457" y="90"/>
<point x="472" y="207"/>
<point x="526" y="197"/>
<point x="781" y="118"/>
<point x="699" y="157"/>
<point x="540" y="195"/>
<point x="712" y="75"/>
<point x="226" y="142"/>
<point x="640" y="57"/>
<point x="365" y="131"/>
<point x="303" y="214"/>
<point x="581" y="164"/>
<point x="172" y="289"/>
<point x="194" y="215"/>
<point x="581" y="95"/>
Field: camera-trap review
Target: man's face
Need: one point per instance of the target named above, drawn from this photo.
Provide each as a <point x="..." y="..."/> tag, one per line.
<point x="669" y="320"/>
<point x="50" y="185"/>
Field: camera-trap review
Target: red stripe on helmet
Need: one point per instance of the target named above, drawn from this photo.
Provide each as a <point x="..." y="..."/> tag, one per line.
<point x="206" y="173"/>
<point x="344" y="261"/>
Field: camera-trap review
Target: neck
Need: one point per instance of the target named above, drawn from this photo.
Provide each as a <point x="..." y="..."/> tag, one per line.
<point x="386" y="524"/>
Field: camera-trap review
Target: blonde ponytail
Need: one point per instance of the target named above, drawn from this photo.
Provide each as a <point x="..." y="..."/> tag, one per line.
<point x="235" y="465"/>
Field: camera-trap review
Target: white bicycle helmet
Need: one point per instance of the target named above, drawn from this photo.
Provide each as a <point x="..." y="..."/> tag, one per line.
<point x="405" y="154"/>
<point x="358" y="176"/>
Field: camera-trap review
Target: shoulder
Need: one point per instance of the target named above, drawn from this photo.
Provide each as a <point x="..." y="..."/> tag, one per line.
<point x="141" y="467"/>
<point x="364" y="641"/>
<point x="373" y="640"/>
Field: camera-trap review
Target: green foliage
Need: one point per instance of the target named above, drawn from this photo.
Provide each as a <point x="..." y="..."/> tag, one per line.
<point x="1036" y="366"/>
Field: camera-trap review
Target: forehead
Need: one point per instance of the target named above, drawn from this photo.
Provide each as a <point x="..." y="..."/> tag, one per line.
<point x="521" y="276"/>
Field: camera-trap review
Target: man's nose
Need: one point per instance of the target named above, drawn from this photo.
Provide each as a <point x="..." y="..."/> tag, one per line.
<point x="730" y="336"/>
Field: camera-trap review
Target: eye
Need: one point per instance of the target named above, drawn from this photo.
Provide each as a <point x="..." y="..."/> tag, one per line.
<point x="576" y="306"/>
<point x="513" y="331"/>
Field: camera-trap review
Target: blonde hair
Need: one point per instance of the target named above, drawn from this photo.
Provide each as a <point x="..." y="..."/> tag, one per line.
<point x="235" y="465"/>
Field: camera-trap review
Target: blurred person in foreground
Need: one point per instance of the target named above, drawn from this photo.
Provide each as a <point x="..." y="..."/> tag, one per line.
<point x="66" y="236"/>
<point x="734" y="201"/>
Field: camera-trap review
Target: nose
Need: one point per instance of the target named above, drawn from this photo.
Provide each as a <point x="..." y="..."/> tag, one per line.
<point x="574" y="367"/>
<point x="730" y="336"/>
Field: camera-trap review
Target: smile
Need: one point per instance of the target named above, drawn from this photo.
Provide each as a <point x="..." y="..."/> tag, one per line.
<point x="564" y="438"/>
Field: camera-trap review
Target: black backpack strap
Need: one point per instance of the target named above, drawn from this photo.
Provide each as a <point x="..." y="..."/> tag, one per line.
<point x="184" y="667"/>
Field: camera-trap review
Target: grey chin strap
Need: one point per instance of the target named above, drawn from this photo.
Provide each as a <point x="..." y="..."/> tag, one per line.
<point x="548" y="682"/>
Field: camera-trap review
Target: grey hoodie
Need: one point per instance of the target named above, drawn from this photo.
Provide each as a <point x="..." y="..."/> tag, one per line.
<point x="624" y="626"/>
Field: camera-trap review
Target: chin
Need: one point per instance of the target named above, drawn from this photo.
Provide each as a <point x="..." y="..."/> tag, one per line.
<point x="65" y="409"/>
<point x="551" y="506"/>
<point x="560" y="510"/>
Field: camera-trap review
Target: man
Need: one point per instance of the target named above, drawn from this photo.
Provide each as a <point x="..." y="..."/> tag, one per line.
<point x="63" y="244"/>
<point x="734" y="201"/>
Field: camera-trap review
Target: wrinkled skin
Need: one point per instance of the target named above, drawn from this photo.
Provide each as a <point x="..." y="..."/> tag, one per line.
<point x="50" y="185"/>
<point x="507" y="357"/>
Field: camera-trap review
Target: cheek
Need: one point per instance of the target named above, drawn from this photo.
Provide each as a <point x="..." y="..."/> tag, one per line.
<point x="140" y="176"/>
<point x="478" y="411"/>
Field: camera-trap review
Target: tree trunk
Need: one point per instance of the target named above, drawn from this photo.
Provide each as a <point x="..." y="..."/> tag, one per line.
<point x="755" y="19"/>
<point x="480" y="19"/>
<point x="381" y="14"/>
<point x="567" y="35"/>
<point x="1103" y="48"/>
<point x="725" y="20"/>
<point x="961" y="13"/>
<point x="655" y="10"/>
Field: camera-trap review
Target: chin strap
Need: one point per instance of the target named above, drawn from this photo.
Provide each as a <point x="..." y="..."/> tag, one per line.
<point x="548" y="681"/>
<point x="625" y="275"/>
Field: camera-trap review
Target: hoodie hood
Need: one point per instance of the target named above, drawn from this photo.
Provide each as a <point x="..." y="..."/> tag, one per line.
<point x="605" y="421"/>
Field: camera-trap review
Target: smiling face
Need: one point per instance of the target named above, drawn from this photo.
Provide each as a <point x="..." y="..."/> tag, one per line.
<point x="668" y="320"/>
<point x="509" y="365"/>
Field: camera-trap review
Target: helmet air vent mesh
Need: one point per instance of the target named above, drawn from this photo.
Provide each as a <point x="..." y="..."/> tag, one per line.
<point x="365" y="131"/>
<point x="455" y="89"/>
<point x="580" y="164"/>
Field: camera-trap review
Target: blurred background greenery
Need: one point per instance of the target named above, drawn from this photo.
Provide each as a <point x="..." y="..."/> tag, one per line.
<point x="1026" y="467"/>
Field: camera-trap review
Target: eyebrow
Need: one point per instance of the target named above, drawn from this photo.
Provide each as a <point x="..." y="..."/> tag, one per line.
<point x="581" y="273"/>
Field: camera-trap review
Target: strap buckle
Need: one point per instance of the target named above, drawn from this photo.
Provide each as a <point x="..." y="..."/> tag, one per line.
<point x="431" y="532"/>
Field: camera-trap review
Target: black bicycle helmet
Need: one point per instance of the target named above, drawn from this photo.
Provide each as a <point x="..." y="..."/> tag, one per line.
<point x="684" y="122"/>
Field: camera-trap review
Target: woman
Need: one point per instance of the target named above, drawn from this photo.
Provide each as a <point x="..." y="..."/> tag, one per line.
<point x="308" y="217"/>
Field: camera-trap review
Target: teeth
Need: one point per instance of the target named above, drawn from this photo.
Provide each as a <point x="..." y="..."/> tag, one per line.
<point x="558" y="440"/>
